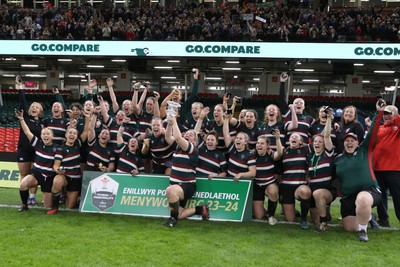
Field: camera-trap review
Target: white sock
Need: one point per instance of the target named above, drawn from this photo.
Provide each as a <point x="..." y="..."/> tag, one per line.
<point x="362" y="227"/>
<point x="32" y="195"/>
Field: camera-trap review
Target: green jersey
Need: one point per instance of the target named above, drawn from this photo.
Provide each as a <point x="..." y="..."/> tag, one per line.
<point x="354" y="171"/>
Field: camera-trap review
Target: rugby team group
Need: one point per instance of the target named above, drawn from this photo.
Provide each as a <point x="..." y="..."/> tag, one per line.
<point x="290" y="155"/>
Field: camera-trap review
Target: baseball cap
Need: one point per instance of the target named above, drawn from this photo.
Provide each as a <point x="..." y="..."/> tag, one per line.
<point x="353" y="135"/>
<point x="390" y="109"/>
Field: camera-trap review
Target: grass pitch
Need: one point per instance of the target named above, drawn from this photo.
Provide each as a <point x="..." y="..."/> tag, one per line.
<point x="71" y="238"/>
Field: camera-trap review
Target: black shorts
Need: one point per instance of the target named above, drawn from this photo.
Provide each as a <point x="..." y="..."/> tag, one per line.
<point x="25" y="155"/>
<point x="45" y="182"/>
<point x="74" y="184"/>
<point x="259" y="191"/>
<point x="348" y="204"/>
<point x="332" y="190"/>
<point x="158" y="169"/>
<point x="286" y="193"/>
<point x="188" y="191"/>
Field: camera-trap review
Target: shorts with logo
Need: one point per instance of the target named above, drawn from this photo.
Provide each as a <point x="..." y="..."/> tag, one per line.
<point x="25" y="155"/>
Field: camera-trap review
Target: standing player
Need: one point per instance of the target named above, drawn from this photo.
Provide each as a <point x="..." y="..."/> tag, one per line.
<point x="25" y="152"/>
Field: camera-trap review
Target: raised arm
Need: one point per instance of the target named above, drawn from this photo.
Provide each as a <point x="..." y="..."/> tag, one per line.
<point x="59" y="97"/>
<point x="199" y="123"/>
<point x="374" y="126"/>
<point x="21" y="94"/>
<point x="91" y="130"/>
<point x="89" y="89"/>
<point x="84" y="134"/>
<point x="136" y="109"/>
<point x="115" y="105"/>
<point x="168" y="133"/>
<point x="225" y="100"/>
<point x="156" y="112"/>
<point x="120" y="139"/>
<point x="279" y="148"/>
<point x="225" y="130"/>
<point x="187" y="104"/>
<point x="103" y="109"/>
<point x="143" y="98"/>
<point x="182" y="142"/>
<point x="20" y="116"/>
<point x="146" y="146"/>
<point x="283" y="103"/>
<point x="163" y="107"/>
<point x="294" y="123"/>
<point x="328" y="130"/>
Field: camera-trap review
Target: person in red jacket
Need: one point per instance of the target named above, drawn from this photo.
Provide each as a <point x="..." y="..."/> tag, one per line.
<point x="387" y="163"/>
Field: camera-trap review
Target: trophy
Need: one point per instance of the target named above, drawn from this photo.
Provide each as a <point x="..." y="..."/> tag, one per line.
<point x="173" y="108"/>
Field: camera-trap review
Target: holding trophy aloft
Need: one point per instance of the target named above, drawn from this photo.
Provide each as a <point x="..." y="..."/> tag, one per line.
<point x="173" y="108"/>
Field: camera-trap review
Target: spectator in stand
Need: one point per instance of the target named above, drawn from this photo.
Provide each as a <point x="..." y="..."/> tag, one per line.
<point x="106" y="31"/>
<point x="359" y="188"/>
<point x="387" y="164"/>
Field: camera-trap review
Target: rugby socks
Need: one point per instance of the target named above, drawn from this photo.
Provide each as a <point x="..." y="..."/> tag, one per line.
<point x="174" y="207"/>
<point x="272" y="207"/>
<point x="24" y="196"/>
<point x="32" y="195"/>
<point x="362" y="227"/>
<point x="198" y="210"/>
<point x="55" y="198"/>
<point x="305" y="207"/>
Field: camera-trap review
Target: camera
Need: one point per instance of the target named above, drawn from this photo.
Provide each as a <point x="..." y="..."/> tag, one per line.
<point x="229" y="111"/>
<point x="381" y="102"/>
<point x="229" y="95"/>
<point x="284" y="75"/>
<point x="238" y="100"/>
<point x="146" y="83"/>
<point x="326" y="109"/>
<point x="271" y="130"/>
<point x="19" y="79"/>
